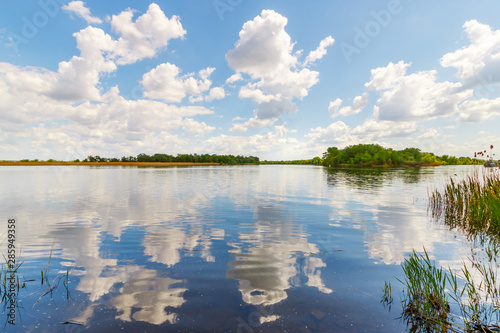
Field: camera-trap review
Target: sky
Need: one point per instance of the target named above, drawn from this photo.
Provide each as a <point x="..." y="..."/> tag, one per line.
<point x="281" y="80"/>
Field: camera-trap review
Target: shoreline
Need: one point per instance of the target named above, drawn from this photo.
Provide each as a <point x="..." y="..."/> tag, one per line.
<point x="99" y="164"/>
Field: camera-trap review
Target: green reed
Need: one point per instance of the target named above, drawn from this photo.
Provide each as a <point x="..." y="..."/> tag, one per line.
<point x="7" y="271"/>
<point x="438" y="300"/>
<point x="471" y="205"/>
<point x="426" y="302"/>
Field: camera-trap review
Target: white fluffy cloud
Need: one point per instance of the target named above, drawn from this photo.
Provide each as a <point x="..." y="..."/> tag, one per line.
<point x="358" y="104"/>
<point x="234" y="78"/>
<point x="251" y="123"/>
<point x="415" y="96"/>
<point x="373" y="129"/>
<point x="474" y="110"/>
<point x="39" y="104"/>
<point x="215" y="93"/>
<point x="431" y="133"/>
<point x="264" y="52"/>
<point x="118" y="125"/>
<point x="320" y="51"/>
<point x="334" y="107"/>
<point x="79" y="78"/>
<point x="164" y="82"/>
<point x="275" y="142"/>
<point x="266" y="114"/>
<point x="78" y="8"/>
<point x="264" y="47"/>
<point x="143" y="38"/>
<point x="193" y="127"/>
<point x="406" y="99"/>
<point x="335" y="132"/>
<point x="479" y="62"/>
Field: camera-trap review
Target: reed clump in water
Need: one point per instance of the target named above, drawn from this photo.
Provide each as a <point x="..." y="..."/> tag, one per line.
<point x="471" y="205"/>
<point x="426" y="302"/>
<point x="437" y="300"/>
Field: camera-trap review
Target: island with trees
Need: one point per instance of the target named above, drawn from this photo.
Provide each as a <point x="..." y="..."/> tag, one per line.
<point x="376" y="156"/>
<point x="373" y="155"/>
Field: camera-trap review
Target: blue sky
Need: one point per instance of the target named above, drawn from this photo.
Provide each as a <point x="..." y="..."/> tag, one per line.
<point x="275" y="79"/>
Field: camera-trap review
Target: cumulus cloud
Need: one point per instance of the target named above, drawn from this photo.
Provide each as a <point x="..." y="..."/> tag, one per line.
<point x="273" y="109"/>
<point x="264" y="51"/>
<point x="193" y="127"/>
<point x="479" y="62"/>
<point x="164" y="82"/>
<point x="216" y="93"/>
<point x="373" y="129"/>
<point x="275" y="143"/>
<point x="115" y="124"/>
<point x="431" y="133"/>
<point x="257" y="95"/>
<point x="335" y="132"/>
<point x="334" y="107"/>
<point x="234" y="78"/>
<point x="264" y="47"/>
<point x="266" y="114"/>
<point x="78" y="8"/>
<point x="143" y="38"/>
<point x="78" y="79"/>
<point x="68" y="113"/>
<point x="252" y="123"/>
<point x="320" y="51"/>
<point x="477" y="110"/>
<point x="357" y="106"/>
<point x="75" y="80"/>
<point x="413" y="97"/>
<point x="384" y="78"/>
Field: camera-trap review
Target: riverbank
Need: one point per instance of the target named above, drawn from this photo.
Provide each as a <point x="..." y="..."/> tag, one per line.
<point x="99" y="164"/>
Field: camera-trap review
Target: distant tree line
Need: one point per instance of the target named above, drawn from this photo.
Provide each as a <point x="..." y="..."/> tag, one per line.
<point x="376" y="155"/>
<point x="190" y="158"/>
<point x="314" y="161"/>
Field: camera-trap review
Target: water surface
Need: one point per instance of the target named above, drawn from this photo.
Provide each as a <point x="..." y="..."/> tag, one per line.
<point x="217" y="249"/>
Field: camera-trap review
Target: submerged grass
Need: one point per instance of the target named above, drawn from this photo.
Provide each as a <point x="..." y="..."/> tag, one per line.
<point x="50" y="286"/>
<point x="6" y="272"/>
<point x="6" y="284"/>
<point x="438" y="300"/>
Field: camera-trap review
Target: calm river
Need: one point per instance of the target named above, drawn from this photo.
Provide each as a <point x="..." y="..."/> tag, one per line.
<point x="215" y="249"/>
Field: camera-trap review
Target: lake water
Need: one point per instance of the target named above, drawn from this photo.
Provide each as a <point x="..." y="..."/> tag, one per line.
<point x="217" y="249"/>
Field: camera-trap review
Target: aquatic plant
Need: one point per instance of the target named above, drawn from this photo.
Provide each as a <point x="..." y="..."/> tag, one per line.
<point x="20" y="282"/>
<point x="50" y="286"/>
<point x="430" y="294"/>
<point x="7" y="271"/>
<point x="438" y="300"/>
<point x="426" y="303"/>
<point x="471" y="205"/>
